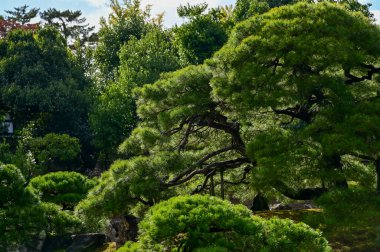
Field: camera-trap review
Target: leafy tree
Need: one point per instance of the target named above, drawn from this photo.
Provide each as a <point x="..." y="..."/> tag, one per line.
<point x="142" y="62"/>
<point x="22" y="216"/>
<point x="8" y="25"/>
<point x="62" y="188"/>
<point x="260" y="115"/>
<point x="55" y="151"/>
<point x="303" y="83"/>
<point x="22" y="14"/>
<point x="190" y="223"/>
<point x="126" y="21"/>
<point x="245" y="9"/>
<point x="201" y="36"/>
<point x="69" y="23"/>
<point x="112" y="119"/>
<point x="41" y="85"/>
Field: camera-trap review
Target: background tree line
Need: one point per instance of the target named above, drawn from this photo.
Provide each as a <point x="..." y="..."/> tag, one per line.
<point x="276" y="99"/>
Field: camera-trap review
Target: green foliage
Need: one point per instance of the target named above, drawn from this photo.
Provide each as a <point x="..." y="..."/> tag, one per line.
<point x="198" y="223"/>
<point x="39" y="82"/>
<point x="245" y="9"/>
<point x="350" y="208"/>
<point x="22" y="14"/>
<point x="293" y="73"/>
<point x="142" y="60"/>
<point x="55" y="151"/>
<point x="125" y="184"/>
<point x="252" y="79"/>
<point x="22" y="216"/>
<point x="69" y="23"/>
<point x="126" y="21"/>
<point x="62" y="188"/>
<point x="284" y="235"/>
<point x="201" y="36"/>
<point x="185" y="92"/>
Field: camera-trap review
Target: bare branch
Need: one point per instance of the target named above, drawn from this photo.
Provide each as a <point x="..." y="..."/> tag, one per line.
<point x="351" y="79"/>
<point x="201" y="162"/>
<point x="229" y="164"/>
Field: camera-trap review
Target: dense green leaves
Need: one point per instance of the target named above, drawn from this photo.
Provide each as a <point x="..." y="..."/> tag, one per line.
<point x="62" y="188"/>
<point x="55" y="151"/>
<point x="126" y="21"/>
<point x="188" y="223"/>
<point x="40" y="82"/>
<point x="22" y="216"/>
<point x="201" y="36"/>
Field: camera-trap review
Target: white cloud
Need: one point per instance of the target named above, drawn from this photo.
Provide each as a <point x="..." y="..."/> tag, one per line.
<point x="97" y="3"/>
<point x="170" y="8"/>
<point x="376" y="13"/>
<point x="93" y="17"/>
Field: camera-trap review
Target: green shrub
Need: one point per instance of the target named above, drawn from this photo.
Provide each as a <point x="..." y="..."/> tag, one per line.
<point x="63" y="188"/>
<point x="55" y="151"/>
<point x="23" y="216"/>
<point x="205" y="223"/>
<point x="285" y="235"/>
<point x="349" y="207"/>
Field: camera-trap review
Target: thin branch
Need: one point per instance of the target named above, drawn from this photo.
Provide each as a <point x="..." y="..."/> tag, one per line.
<point x="242" y="180"/>
<point x="201" y="162"/>
<point x="200" y="188"/>
<point x="229" y="164"/>
<point x="351" y="79"/>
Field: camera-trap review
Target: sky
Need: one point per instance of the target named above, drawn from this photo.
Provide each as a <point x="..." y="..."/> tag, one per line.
<point x="94" y="9"/>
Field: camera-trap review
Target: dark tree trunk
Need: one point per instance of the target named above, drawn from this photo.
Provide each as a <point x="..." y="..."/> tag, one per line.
<point x="212" y="186"/>
<point x="378" y="175"/>
<point x="260" y="203"/>
<point x="222" y="184"/>
<point x="301" y="194"/>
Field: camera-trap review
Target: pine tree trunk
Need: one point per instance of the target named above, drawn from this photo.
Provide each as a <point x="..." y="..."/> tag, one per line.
<point x="222" y="184"/>
<point x="212" y="187"/>
<point x="377" y="163"/>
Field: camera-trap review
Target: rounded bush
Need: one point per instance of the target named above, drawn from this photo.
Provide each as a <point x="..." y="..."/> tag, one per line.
<point x="62" y="188"/>
<point x="206" y="223"/>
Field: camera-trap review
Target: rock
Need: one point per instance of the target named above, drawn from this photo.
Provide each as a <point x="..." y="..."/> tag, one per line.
<point x="56" y="243"/>
<point x="293" y="206"/>
<point x="86" y="242"/>
<point x="122" y="229"/>
<point x="260" y="203"/>
<point x="75" y="243"/>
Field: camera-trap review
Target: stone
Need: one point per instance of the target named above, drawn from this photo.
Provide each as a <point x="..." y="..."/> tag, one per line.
<point x="87" y="242"/>
<point x="260" y="203"/>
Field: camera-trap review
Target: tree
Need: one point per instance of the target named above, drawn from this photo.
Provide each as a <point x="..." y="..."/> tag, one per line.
<point x="112" y="119"/>
<point x="261" y="114"/>
<point x="201" y="36"/>
<point x="65" y="189"/>
<point x="41" y="86"/>
<point x="23" y="217"/>
<point x="142" y="62"/>
<point x="55" y="151"/>
<point x="245" y="9"/>
<point x="192" y="223"/>
<point x="22" y="14"/>
<point x="126" y="21"/>
<point x="304" y="84"/>
<point x="8" y="25"/>
<point x="69" y="23"/>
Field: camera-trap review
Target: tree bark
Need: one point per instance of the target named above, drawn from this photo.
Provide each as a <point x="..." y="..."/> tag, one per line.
<point x="377" y="164"/>
<point x="301" y="194"/>
<point x="212" y="186"/>
<point x="222" y="184"/>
